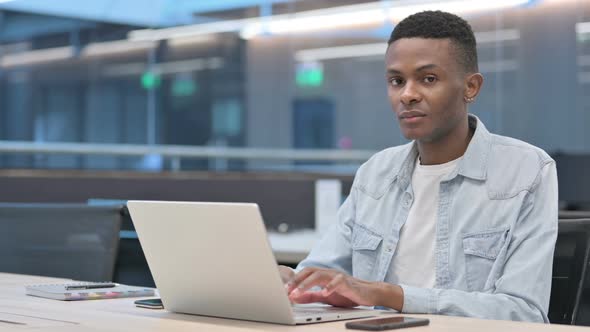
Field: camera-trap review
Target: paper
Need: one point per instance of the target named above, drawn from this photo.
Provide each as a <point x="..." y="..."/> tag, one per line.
<point x="61" y="292"/>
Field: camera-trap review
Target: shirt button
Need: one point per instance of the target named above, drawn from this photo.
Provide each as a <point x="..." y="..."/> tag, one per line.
<point x="407" y="200"/>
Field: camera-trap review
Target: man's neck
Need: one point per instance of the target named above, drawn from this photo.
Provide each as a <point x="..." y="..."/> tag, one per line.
<point x="446" y="149"/>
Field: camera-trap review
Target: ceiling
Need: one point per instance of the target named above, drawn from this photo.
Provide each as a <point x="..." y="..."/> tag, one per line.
<point x="25" y="19"/>
<point x="160" y="13"/>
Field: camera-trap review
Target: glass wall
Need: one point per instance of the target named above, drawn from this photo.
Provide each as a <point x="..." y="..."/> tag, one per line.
<point x="74" y="80"/>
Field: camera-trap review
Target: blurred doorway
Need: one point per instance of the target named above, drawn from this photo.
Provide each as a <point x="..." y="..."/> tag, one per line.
<point x="313" y="128"/>
<point x="313" y="124"/>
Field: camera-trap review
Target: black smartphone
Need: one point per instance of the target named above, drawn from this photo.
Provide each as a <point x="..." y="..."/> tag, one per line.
<point x="388" y="323"/>
<point x="150" y="303"/>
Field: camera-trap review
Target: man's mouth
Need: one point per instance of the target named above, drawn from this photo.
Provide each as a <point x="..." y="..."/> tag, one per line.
<point x="407" y="115"/>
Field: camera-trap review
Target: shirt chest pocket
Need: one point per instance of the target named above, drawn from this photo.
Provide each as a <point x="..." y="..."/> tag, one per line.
<point x="482" y="250"/>
<point x="365" y="249"/>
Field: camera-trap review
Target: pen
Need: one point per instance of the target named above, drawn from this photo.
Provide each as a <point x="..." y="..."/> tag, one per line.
<point x="91" y="286"/>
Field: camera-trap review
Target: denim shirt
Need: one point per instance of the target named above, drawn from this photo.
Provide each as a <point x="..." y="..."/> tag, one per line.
<point x="495" y="233"/>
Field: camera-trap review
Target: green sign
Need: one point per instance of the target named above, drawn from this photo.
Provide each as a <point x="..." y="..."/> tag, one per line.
<point x="150" y="80"/>
<point x="183" y="87"/>
<point x="309" y="74"/>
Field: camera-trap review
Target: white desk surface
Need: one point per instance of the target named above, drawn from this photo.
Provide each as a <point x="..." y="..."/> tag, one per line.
<point x="47" y="315"/>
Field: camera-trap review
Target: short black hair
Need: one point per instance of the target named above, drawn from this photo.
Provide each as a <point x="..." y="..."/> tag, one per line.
<point x="440" y="25"/>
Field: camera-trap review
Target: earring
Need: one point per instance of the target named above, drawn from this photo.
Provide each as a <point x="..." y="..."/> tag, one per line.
<point x="468" y="99"/>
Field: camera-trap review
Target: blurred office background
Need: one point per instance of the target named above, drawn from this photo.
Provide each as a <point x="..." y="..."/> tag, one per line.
<point x="293" y="86"/>
<point x="207" y="88"/>
<point x="269" y="101"/>
<point x="281" y="74"/>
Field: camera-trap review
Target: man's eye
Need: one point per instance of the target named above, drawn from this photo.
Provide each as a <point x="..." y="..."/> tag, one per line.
<point x="395" y="81"/>
<point x="430" y="79"/>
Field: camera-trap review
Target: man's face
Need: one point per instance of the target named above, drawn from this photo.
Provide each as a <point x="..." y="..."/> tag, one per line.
<point x="425" y="87"/>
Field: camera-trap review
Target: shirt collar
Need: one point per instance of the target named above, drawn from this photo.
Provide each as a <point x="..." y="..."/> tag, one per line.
<point x="475" y="160"/>
<point x="473" y="164"/>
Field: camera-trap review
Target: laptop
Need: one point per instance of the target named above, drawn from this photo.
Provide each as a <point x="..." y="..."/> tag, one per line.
<point x="214" y="259"/>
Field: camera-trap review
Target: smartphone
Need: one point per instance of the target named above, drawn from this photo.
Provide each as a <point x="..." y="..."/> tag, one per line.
<point x="150" y="303"/>
<point x="388" y="323"/>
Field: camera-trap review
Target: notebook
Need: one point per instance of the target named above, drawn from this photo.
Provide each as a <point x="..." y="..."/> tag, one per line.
<point x="76" y="291"/>
<point x="214" y="259"/>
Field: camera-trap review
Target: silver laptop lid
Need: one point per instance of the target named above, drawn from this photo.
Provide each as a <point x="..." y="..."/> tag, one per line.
<point x="211" y="259"/>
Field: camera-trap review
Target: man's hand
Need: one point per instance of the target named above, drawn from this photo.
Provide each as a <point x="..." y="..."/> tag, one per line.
<point x="286" y="272"/>
<point x="342" y="290"/>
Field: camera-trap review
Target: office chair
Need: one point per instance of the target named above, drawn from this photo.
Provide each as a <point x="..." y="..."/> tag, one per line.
<point x="74" y="241"/>
<point x="570" y="264"/>
<point x="131" y="266"/>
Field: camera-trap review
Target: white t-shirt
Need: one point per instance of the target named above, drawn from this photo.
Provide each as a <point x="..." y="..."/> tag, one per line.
<point x="413" y="262"/>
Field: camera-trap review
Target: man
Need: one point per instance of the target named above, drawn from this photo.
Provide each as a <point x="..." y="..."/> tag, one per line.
<point x="458" y="222"/>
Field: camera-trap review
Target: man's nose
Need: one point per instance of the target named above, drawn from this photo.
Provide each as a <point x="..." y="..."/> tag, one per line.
<point x="410" y="94"/>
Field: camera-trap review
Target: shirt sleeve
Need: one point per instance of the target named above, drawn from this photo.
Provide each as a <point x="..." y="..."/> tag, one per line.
<point x="522" y="291"/>
<point x="333" y="250"/>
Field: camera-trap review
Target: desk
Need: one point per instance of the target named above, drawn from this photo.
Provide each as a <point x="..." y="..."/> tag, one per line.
<point x="121" y="315"/>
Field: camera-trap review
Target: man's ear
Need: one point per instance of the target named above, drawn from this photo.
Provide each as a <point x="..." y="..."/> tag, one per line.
<point x="473" y="84"/>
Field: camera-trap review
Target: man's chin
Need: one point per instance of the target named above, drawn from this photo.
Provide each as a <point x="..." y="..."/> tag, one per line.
<point x="413" y="135"/>
<point x="423" y="138"/>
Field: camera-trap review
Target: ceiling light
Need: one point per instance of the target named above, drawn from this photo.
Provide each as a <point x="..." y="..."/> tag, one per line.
<point x="315" y="20"/>
<point x="116" y="47"/>
<point x="378" y="49"/>
<point x="340" y="52"/>
<point x="163" y="68"/>
<point x="190" y="41"/>
<point x="373" y="13"/>
<point x="189" y="30"/>
<point x="458" y="7"/>
<point x="35" y="57"/>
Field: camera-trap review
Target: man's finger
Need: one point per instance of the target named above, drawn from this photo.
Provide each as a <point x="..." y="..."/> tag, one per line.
<point x="307" y="297"/>
<point x="318" y="278"/>
<point x="299" y="277"/>
<point x="333" y="285"/>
